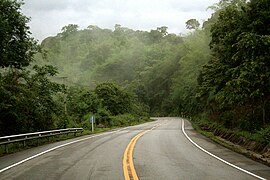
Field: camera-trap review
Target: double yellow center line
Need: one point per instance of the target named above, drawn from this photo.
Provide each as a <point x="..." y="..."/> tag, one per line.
<point x="128" y="165"/>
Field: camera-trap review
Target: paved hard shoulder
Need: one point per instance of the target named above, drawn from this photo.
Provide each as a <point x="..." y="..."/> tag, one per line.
<point x="232" y="157"/>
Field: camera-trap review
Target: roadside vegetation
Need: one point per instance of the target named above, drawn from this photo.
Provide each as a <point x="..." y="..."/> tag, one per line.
<point x="234" y="86"/>
<point x="217" y="74"/>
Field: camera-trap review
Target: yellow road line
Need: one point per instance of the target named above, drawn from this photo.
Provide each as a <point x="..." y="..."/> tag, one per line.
<point x="128" y="165"/>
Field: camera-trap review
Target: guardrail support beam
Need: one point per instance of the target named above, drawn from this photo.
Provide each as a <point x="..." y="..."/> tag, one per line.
<point x="6" y="140"/>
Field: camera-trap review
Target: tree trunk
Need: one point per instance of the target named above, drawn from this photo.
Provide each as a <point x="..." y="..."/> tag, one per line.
<point x="265" y="100"/>
<point x="263" y="109"/>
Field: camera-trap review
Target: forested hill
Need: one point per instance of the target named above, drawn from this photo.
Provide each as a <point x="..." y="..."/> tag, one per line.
<point x="220" y="68"/>
<point x="149" y="63"/>
<point x="218" y="72"/>
<point x="121" y="55"/>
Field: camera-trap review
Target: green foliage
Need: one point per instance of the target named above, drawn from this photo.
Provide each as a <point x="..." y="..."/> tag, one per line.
<point x="237" y="77"/>
<point x="81" y="101"/>
<point x="192" y="24"/>
<point x="151" y="65"/>
<point x="264" y="135"/>
<point x="27" y="95"/>
<point x="122" y="120"/>
<point x="113" y="98"/>
<point x="202" y="124"/>
<point x="107" y="100"/>
<point x="16" y="45"/>
<point x="68" y="30"/>
<point x="31" y="98"/>
<point x="103" y="117"/>
<point x="185" y="85"/>
<point x="27" y="100"/>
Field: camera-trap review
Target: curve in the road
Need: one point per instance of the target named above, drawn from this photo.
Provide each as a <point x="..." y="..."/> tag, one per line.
<point x="128" y="165"/>
<point x="168" y="152"/>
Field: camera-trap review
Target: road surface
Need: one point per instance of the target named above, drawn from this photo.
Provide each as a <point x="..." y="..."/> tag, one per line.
<point x="155" y="150"/>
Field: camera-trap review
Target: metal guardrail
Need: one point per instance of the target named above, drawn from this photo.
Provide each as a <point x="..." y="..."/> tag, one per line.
<point x="5" y="140"/>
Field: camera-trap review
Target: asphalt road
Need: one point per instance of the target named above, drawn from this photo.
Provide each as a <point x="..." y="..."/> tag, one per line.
<point x="160" y="153"/>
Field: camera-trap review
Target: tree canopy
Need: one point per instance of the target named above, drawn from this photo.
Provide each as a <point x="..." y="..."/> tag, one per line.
<point x="192" y="24"/>
<point x="16" y="45"/>
<point x="238" y="73"/>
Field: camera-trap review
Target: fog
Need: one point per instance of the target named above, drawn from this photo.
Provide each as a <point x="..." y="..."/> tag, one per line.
<point x="48" y="17"/>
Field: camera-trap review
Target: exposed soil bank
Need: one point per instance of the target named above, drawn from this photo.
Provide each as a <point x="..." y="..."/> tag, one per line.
<point x="253" y="149"/>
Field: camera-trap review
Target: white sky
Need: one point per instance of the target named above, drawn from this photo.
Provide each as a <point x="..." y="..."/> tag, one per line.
<point x="49" y="16"/>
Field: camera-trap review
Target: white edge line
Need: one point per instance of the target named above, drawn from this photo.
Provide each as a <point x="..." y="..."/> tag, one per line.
<point x="57" y="147"/>
<point x="220" y="159"/>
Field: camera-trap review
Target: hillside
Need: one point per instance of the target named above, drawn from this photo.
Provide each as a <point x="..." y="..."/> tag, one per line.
<point x="147" y="63"/>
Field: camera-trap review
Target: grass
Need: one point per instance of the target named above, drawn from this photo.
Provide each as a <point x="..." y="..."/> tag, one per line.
<point x="261" y="136"/>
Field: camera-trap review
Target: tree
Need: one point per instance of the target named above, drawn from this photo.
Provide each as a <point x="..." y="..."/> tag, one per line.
<point x="156" y="35"/>
<point x="81" y="101"/>
<point x="26" y="93"/>
<point x="16" y="46"/>
<point x="69" y="29"/>
<point x="163" y="30"/>
<point x="113" y="98"/>
<point x="196" y="53"/>
<point x="192" y="24"/>
<point x="238" y="75"/>
<point x="27" y="102"/>
<point x="258" y="17"/>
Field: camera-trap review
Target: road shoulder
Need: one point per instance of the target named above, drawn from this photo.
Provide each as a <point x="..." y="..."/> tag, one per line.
<point x="227" y="154"/>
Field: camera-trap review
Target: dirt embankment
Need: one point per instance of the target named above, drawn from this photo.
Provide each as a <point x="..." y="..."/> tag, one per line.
<point x="253" y="149"/>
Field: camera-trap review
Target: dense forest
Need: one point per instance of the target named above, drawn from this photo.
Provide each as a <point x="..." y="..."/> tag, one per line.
<point x="219" y="71"/>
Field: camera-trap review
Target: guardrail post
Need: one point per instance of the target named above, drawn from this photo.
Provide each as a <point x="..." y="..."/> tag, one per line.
<point x="6" y="148"/>
<point x="38" y="139"/>
<point x="75" y="133"/>
<point x="24" y="142"/>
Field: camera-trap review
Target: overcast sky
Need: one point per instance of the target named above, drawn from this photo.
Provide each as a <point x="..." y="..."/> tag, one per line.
<point x="49" y="16"/>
